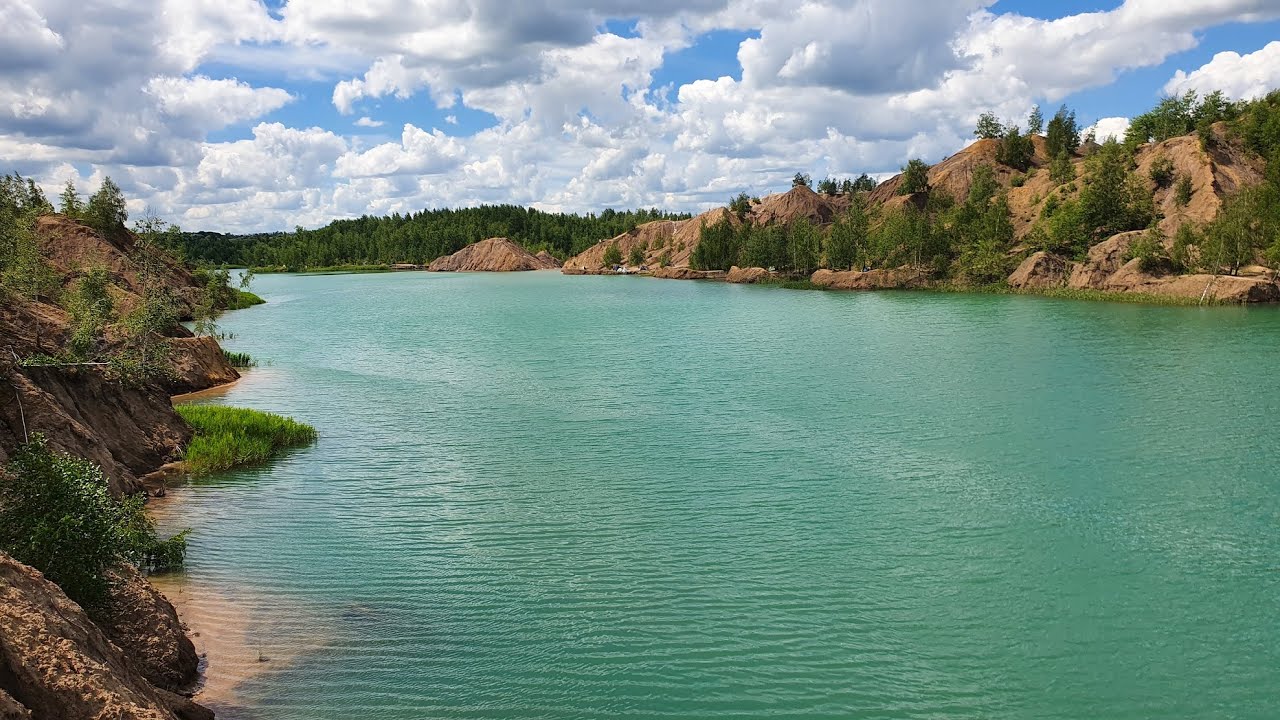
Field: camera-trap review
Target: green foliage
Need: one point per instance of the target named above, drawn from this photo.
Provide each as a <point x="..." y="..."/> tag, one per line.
<point x="1063" y="135"/>
<point x="804" y="247"/>
<point x="740" y="206"/>
<point x="1061" y="170"/>
<point x="1162" y="172"/>
<point x="864" y="183"/>
<point x="57" y="516"/>
<point x="1180" y="115"/>
<point x="1185" y="242"/>
<point x="764" y="247"/>
<point x="829" y="186"/>
<point x="1247" y="225"/>
<point x="1112" y="201"/>
<point x="1259" y="125"/>
<point x="416" y="238"/>
<point x="847" y="243"/>
<point x="903" y="236"/>
<point x="92" y="310"/>
<point x="801" y="179"/>
<point x="915" y="178"/>
<point x="1182" y="194"/>
<point x="228" y="437"/>
<point x="612" y="255"/>
<point x="239" y="359"/>
<point x="980" y="231"/>
<point x="1149" y="250"/>
<point x="718" y="247"/>
<point x="69" y="202"/>
<point x="1016" y="150"/>
<point x="989" y="127"/>
<point x="1018" y="181"/>
<point x="1035" y="122"/>
<point x="636" y="257"/>
<point x="107" y="212"/>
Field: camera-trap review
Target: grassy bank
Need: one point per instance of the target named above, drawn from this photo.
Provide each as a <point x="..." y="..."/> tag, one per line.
<point x="1065" y="293"/>
<point x="242" y="299"/>
<point x="228" y="437"/>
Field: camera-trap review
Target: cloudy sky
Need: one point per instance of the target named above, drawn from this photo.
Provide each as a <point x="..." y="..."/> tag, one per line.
<point x="241" y="115"/>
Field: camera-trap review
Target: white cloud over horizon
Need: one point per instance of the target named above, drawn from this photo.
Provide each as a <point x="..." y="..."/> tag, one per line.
<point x="575" y="119"/>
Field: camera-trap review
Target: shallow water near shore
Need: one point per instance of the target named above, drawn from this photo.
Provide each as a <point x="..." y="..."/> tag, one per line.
<point x="538" y="496"/>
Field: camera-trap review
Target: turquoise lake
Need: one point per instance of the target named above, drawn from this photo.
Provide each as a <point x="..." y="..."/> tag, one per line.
<point x="538" y="496"/>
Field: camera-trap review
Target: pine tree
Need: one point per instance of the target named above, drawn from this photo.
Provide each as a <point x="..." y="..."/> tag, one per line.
<point x="69" y="201"/>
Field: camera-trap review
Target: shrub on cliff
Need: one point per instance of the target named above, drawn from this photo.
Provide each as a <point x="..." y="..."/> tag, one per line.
<point x="57" y="516"/>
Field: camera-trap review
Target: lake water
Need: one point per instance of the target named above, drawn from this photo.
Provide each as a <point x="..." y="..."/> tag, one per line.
<point x="538" y="496"/>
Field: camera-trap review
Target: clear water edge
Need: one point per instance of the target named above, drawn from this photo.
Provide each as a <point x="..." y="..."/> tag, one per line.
<point x="539" y="496"/>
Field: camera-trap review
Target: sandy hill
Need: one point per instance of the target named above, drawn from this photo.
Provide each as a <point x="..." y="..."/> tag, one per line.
<point x="664" y="243"/>
<point x="492" y="255"/>
<point x="798" y="203"/>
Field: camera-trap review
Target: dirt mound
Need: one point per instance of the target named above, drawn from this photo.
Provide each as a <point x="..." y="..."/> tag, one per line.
<point x="547" y="260"/>
<point x="798" y="203"/>
<point x="55" y="662"/>
<point x="71" y="248"/>
<point x="492" y="255"/>
<point x="1222" y="171"/>
<point x="747" y="276"/>
<point x="1042" y="270"/>
<point x="653" y="239"/>
<point x="954" y="175"/>
<point x="902" y="278"/>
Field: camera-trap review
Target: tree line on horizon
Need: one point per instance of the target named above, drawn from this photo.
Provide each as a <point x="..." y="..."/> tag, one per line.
<point x="416" y="238"/>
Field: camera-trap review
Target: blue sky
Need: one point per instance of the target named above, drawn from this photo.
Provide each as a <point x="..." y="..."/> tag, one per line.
<point x="240" y="115"/>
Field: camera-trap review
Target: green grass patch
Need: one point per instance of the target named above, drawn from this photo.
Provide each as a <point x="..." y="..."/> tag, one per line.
<point x="228" y="437"/>
<point x="1064" y="293"/>
<point x="790" y="284"/>
<point x="239" y="359"/>
<point x="242" y="299"/>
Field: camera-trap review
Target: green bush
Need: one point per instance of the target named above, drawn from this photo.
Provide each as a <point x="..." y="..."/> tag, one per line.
<point x="612" y="255"/>
<point x="636" y="257"/>
<point x="915" y="178"/>
<point x="1182" y="195"/>
<point x="1161" y="172"/>
<point x="227" y="437"/>
<point x="57" y="516"/>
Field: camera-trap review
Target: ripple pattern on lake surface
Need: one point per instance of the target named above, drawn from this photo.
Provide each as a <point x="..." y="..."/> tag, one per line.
<point x="546" y="497"/>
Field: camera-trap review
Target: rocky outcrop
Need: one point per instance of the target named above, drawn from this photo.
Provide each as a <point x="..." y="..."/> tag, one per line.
<point x="664" y="243"/>
<point x="903" y="278"/>
<point x="685" y="273"/>
<point x="747" y="276"/>
<point x="145" y="626"/>
<point x="492" y="255"/>
<point x="1217" y="289"/>
<point x="548" y="261"/>
<point x="1103" y="261"/>
<point x="798" y="203"/>
<point x="197" y="363"/>
<point x="127" y="430"/>
<point x="11" y="709"/>
<point x="1041" y="271"/>
<point x="56" y="663"/>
